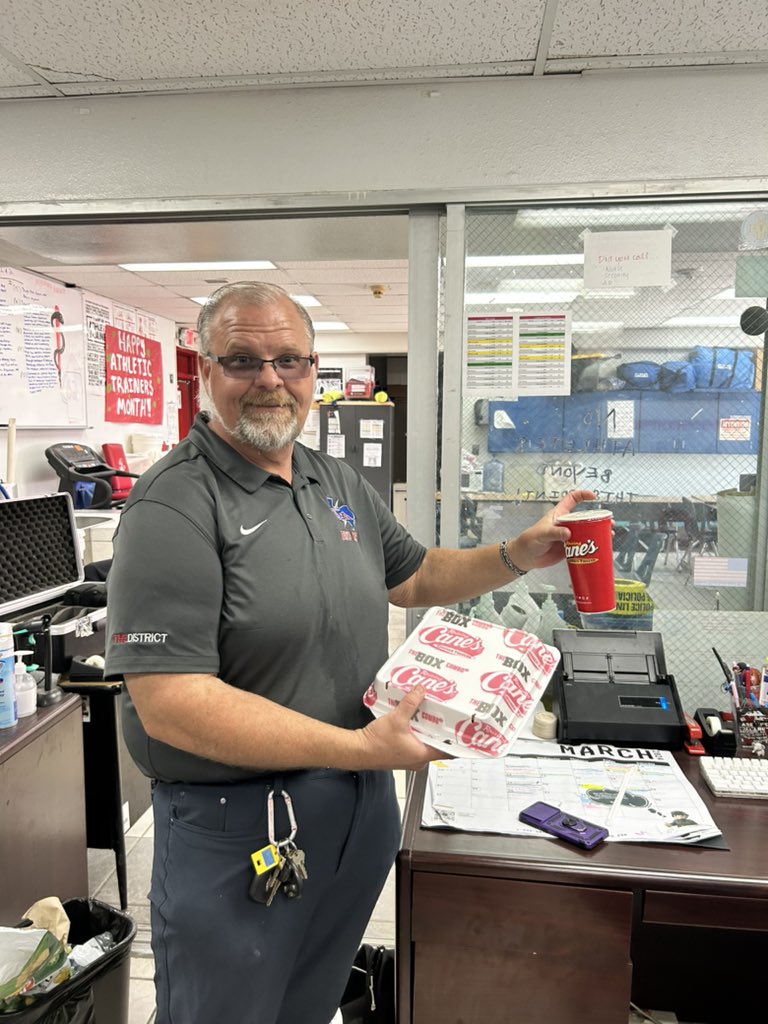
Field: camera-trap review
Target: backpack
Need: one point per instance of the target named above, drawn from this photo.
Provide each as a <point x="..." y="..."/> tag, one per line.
<point x="643" y="375"/>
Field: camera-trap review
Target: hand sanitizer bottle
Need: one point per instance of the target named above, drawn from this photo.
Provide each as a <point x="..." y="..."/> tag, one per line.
<point x="8" y="714"/>
<point x="26" y="688"/>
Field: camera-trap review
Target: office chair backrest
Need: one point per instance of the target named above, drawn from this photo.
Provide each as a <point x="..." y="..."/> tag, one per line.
<point x="114" y="456"/>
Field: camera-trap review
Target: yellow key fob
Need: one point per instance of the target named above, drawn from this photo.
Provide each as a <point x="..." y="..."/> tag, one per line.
<point x="265" y="859"/>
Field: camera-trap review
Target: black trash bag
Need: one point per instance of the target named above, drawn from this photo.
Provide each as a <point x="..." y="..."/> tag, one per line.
<point x="369" y="997"/>
<point x="73" y="1001"/>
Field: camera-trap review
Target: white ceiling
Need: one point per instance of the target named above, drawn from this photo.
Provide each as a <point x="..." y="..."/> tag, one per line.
<point x="52" y="48"/>
<point x="339" y="260"/>
<point x="98" y="47"/>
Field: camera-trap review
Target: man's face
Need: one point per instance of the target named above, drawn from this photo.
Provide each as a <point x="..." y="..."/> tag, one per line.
<point x="266" y="413"/>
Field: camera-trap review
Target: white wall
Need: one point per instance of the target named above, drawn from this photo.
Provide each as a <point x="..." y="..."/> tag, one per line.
<point x="33" y="474"/>
<point x="338" y="146"/>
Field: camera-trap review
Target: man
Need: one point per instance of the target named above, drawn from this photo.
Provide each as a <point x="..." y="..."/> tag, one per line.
<point x="248" y="607"/>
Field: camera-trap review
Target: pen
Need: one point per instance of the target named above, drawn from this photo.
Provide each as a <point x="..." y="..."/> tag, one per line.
<point x="4" y="493"/>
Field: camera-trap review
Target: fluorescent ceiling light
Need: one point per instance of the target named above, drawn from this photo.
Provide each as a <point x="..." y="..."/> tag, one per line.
<point x="329" y="325"/>
<point x="499" y="298"/>
<point x="202" y="299"/>
<point x="646" y="216"/>
<point x="730" y="294"/>
<point x="554" y="260"/>
<point x="541" y="284"/>
<point x="591" y="326"/>
<point x="230" y="265"/>
<point x="702" y="321"/>
<point x="609" y="293"/>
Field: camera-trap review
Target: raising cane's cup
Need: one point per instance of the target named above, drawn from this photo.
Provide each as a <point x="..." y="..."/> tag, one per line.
<point x="589" y="554"/>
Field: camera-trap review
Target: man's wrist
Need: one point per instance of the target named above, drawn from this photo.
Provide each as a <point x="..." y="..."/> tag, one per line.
<point x="509" y="561"/>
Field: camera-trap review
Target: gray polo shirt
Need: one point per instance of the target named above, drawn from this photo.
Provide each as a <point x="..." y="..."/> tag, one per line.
<point x="279" y="590"/>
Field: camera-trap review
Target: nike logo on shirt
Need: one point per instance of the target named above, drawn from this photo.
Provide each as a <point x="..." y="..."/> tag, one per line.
<point x="251" y="529"/>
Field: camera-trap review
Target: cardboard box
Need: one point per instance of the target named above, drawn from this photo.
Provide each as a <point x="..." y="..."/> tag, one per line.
<point x="483" y="682"/>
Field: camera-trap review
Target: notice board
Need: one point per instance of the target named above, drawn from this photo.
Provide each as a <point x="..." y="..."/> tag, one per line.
<point x="42" y="351"/>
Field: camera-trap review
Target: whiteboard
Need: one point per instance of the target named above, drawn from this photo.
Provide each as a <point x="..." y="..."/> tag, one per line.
<point x="42" y="351"/>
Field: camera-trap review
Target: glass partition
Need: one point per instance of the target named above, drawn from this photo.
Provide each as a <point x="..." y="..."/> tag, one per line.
<point x="620" y="348"/>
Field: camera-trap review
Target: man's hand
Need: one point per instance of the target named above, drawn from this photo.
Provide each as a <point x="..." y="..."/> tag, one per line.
<point x="541" y="545"/>
<point x="388" y="742"/>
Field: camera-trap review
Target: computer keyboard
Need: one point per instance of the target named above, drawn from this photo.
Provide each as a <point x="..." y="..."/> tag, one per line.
<point x="745" y="778"/>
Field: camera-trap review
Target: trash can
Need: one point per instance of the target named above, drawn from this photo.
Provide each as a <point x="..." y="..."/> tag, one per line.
<point x="99" y="993"/>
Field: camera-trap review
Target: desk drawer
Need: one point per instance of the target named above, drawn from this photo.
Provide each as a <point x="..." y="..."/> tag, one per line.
<point x="691" y="910"/>
<point x="507" y="916"/>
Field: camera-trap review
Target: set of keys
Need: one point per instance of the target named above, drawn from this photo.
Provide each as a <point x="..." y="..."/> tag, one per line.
<point x="279" y="866"/>
<point x="287" y="876"/>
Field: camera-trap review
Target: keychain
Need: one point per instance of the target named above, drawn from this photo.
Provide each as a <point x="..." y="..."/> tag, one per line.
<point x="279" y="865"/>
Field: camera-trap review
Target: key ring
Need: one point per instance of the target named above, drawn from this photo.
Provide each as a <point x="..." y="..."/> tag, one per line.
<point x="271" y="819"/>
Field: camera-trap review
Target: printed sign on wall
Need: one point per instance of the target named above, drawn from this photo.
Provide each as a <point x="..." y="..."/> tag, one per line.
<point x="134" y="372"/>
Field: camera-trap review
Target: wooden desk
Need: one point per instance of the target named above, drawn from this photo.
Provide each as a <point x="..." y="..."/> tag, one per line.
<point x="493" y="929"/>
<point x="42" y="809"/>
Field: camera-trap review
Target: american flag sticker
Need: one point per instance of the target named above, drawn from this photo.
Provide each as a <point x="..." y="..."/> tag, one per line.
<point x="714" y="571"/>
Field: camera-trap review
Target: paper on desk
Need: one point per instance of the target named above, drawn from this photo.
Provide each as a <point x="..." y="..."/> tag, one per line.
<point x="639" y="795"/>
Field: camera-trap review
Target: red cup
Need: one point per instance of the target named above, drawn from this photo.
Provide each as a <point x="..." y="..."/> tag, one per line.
<point x="589" y="554"/>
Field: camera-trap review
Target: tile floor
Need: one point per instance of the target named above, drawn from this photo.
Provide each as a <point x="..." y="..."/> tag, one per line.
<point x="103" y="886"/>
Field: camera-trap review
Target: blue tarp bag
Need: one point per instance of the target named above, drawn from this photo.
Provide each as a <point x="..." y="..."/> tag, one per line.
<point x="723" y="368"/>
<point x="677" y="375"/>
<point x="640" y="375"/>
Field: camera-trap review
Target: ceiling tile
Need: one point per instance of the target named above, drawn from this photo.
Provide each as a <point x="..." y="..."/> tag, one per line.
<point x="146" y="39"/>
<point x="595" y="28"/>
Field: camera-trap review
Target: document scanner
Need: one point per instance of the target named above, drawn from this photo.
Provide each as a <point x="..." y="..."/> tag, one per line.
<point x="612" y="686"/>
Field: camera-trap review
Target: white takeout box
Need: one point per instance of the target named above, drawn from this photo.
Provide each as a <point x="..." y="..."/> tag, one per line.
<point x="483" y="682"/>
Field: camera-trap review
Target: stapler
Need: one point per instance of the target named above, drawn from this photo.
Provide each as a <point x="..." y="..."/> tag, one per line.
<point x="693" y="744"/>
<point x="718" y="740"/>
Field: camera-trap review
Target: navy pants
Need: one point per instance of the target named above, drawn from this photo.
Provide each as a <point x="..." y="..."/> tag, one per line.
<point x="221" y="957"/>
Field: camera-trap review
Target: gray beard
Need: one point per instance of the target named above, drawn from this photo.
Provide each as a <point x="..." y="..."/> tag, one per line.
<point x="266" y="437"/>
<point x="263" y="436"/>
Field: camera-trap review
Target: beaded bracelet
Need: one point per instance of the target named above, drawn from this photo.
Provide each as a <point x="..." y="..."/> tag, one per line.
<point x="508" y="561"/>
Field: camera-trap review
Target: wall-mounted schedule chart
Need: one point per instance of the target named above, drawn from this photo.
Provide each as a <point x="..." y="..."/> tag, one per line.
<point x="489" y="363"/>
<point x="544" y="354"/>
<point x="517" y="354"/>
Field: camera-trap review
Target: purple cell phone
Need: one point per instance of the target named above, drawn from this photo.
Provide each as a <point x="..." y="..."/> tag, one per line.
<point x="563" y="826"/>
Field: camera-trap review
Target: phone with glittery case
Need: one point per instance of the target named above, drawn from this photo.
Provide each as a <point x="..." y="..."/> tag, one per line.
<point x="563" y="826"/>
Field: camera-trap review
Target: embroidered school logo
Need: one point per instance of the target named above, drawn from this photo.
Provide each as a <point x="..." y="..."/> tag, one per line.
<point x="346" y="517"/>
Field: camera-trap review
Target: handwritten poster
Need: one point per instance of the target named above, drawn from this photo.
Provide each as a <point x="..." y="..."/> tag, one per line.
<point x="41" y="351"/>
<point x="134" y="378"/>
<point x="628" y="259"/>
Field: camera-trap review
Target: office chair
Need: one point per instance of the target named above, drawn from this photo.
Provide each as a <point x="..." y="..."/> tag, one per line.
<point x="79" y="469"/>
<point x="700" y="531"/>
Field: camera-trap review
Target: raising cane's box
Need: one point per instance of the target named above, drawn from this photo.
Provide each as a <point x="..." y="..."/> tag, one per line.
<point x="483" y="682"/>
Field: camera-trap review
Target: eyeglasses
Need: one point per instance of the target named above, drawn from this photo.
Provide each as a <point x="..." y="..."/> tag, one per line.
<point x="287" y="367"/>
